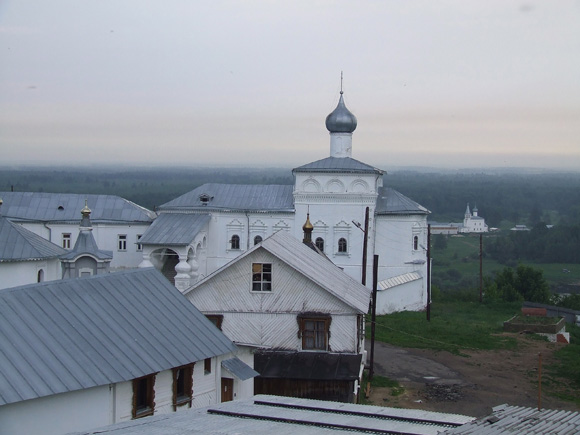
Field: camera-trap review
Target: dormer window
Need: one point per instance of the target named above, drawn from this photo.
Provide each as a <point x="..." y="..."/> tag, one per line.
<point x="204" y="198"/>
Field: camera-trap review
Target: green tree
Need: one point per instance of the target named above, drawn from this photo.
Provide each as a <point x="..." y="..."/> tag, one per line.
<point x="440" y="242"/>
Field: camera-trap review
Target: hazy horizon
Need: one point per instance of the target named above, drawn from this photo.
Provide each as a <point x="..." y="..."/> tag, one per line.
<point x="452" y="84"/>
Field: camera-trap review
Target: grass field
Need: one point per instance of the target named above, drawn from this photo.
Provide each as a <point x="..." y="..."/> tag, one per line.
<point x="458" y="325"/>
<point x="457" y="266"/>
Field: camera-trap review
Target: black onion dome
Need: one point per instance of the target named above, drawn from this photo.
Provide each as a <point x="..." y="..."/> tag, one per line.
<point x="341" y="120"/>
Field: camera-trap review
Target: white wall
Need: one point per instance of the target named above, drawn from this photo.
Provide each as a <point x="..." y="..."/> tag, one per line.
<point x="18" y="273"/>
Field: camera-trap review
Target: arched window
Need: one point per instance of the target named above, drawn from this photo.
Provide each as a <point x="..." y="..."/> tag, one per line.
<point x="416" y="243"/>
<point x="342" y="245"/>
<point x="319" y="242"/>
<point x="40" y="276"/>
<point x="257" y="239"/>
<point x="235" y="241"/>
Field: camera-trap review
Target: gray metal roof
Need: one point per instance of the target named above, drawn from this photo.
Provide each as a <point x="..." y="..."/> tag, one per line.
<point x="19" y="244"/>
<point x="312" y="265"/>
<point x="66" y="207"/>
<point x="239" y="368"/>
<point x="507" y="419"/>
<point x="67" y="335"/>
<point x="174" y="229"/>
<point x="235" y="197"/>
<point x="392" y="202"/>
<point x="266" y="415"/>
<point x="338" y="164"/>
<point x="86" y="245"/>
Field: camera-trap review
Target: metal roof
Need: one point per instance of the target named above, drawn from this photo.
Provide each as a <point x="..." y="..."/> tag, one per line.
<point x="67" y="335"/>
<point x="174" y="229"/>
<point x="19" y="244"/>
<point x="252" y="197"/>
<point x="506" y="419"/>
<point x="86" y="245"/>
<point x="239" y="369"/>
<point x="266" y="415"/>
<point x="59" y="207"/>
<point x="398" y="280"/>
<point x="312" y="265"/>
<point x="308" y="365"/>
<point x="390" y="201"/>
<point x="339" y="164"/>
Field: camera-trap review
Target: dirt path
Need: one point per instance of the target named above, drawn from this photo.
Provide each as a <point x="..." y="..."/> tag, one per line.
<point x="441" y="381"/>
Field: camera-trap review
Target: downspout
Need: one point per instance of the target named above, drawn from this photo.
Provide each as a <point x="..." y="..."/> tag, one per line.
<point x="248" y="231"/>
<point x="49" y="232"/>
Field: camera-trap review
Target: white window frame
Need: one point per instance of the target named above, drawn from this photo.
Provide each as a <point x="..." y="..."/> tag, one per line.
<point x="122" y="242"/>
<point x="66" y="240"/>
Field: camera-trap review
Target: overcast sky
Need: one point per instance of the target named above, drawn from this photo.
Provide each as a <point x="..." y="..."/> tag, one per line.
<point x="189" y="82"/>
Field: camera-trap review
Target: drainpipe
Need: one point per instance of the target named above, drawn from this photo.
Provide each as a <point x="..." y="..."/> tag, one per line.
<point x="248" y="231"/>
<point x="49" y="232"/>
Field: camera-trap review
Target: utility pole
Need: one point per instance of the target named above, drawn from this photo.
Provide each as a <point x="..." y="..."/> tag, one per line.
<point x="428" y="272"/>
<point x="365" y="245"/>
<point x="374" y="314"/>
<point x="480" y="268"/>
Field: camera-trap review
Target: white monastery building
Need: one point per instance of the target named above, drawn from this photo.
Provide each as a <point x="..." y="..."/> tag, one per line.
<point x="202" y="230"/>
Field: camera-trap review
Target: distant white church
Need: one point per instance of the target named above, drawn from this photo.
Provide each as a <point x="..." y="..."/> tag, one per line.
<point x="202" y="230"/>
<point x="472" y="223"/>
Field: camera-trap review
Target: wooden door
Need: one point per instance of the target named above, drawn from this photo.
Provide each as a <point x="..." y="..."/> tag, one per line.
<point x="227" y="389"/>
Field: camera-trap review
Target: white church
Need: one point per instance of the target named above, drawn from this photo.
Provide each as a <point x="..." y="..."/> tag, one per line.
<point x="202" y="230"/>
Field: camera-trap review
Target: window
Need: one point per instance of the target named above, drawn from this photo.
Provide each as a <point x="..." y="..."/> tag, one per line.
<point x="314" y="331"/>
<point x="66" y="240"/>
<point x="235" y="241"/>
<point x="216" y="319"/>
<point x="342" y="247"/>
<point x="122" y="242"/>
<point x="415" y="243"/>
<point x="319" y="242"/>
<point x="207" y="366"/>
<point x="143" y="396"/>
<point x="139" y="245"/>
<point x="257" y="239"/>
<point x="40" y="276"/>
<point x="261" y="277"/>
<point x="182" y="386"/>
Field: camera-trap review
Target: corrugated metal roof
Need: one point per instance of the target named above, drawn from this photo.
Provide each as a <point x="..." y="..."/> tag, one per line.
<point x="398" y="280"/>
<point x="239" y="368"/>
<point x="19" y="244"/>
<point x="338" y="164"/>
<point x="314" y="266"/>
<point x="392" y="202"/>
<point x="266" y="415"/>
<point x="174" y="229"/>
<point x="59" y="207"/>
<point x="68" y="335"/>
<point x="506" y="419"/>
<point x="235" y="197"/>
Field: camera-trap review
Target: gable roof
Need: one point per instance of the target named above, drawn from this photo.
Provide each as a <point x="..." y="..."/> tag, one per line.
<point x="339" y="164"/>
<point x="87" y="245"/>
<point x="391" y="202"/>
<point x="65" y="207"/>
<point x="254" y="197"/>
<point x="312" y="265"/>
<point x="72" y="334"/>
<point x="174" y="229"/>
<point x="19" y="244"/>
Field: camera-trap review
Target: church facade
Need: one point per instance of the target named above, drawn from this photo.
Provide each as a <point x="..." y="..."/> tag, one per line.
<point x="202" y="230"/>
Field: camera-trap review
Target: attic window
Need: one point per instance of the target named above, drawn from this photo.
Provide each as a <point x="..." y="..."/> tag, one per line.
<point x="60" y="207"/>
<point x="205" y="198"/>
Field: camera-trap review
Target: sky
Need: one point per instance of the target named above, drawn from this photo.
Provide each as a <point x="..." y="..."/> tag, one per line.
<point x="453" y="84"/>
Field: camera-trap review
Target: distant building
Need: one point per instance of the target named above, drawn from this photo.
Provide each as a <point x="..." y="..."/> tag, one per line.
<point x="472" y="223"/>
<point x="520" y="228"/>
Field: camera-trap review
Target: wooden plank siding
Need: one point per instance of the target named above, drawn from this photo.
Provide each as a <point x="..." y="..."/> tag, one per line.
<point x="336" y="391"/>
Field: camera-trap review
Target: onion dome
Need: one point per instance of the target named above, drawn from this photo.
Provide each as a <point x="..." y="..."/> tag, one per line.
<point x="307" y="228"/>
<point x="341" y="120"/>
<point x="86" y="213"/>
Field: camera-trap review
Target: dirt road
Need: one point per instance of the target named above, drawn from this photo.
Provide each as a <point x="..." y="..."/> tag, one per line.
<point x="470" y="385"/>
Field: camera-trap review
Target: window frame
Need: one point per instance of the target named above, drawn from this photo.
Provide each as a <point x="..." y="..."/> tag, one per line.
<point x="415" y="243"/>
<point x="319" y="242"/>
<point x="235" y="242"/>
<point x="263" y="282"/>
<point x="342" y="247"/>
<point x="216" y="319"/>
<point x="258" y="239"/>
<point x="149" y="408"/>
<point x="306" y="334"/>
<point x="66" y="240"/>
<point x="121" y="242"/>
<point x="185" y="383"/>
<point x="139" y="247"/>
<point x="207" y="366"/>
